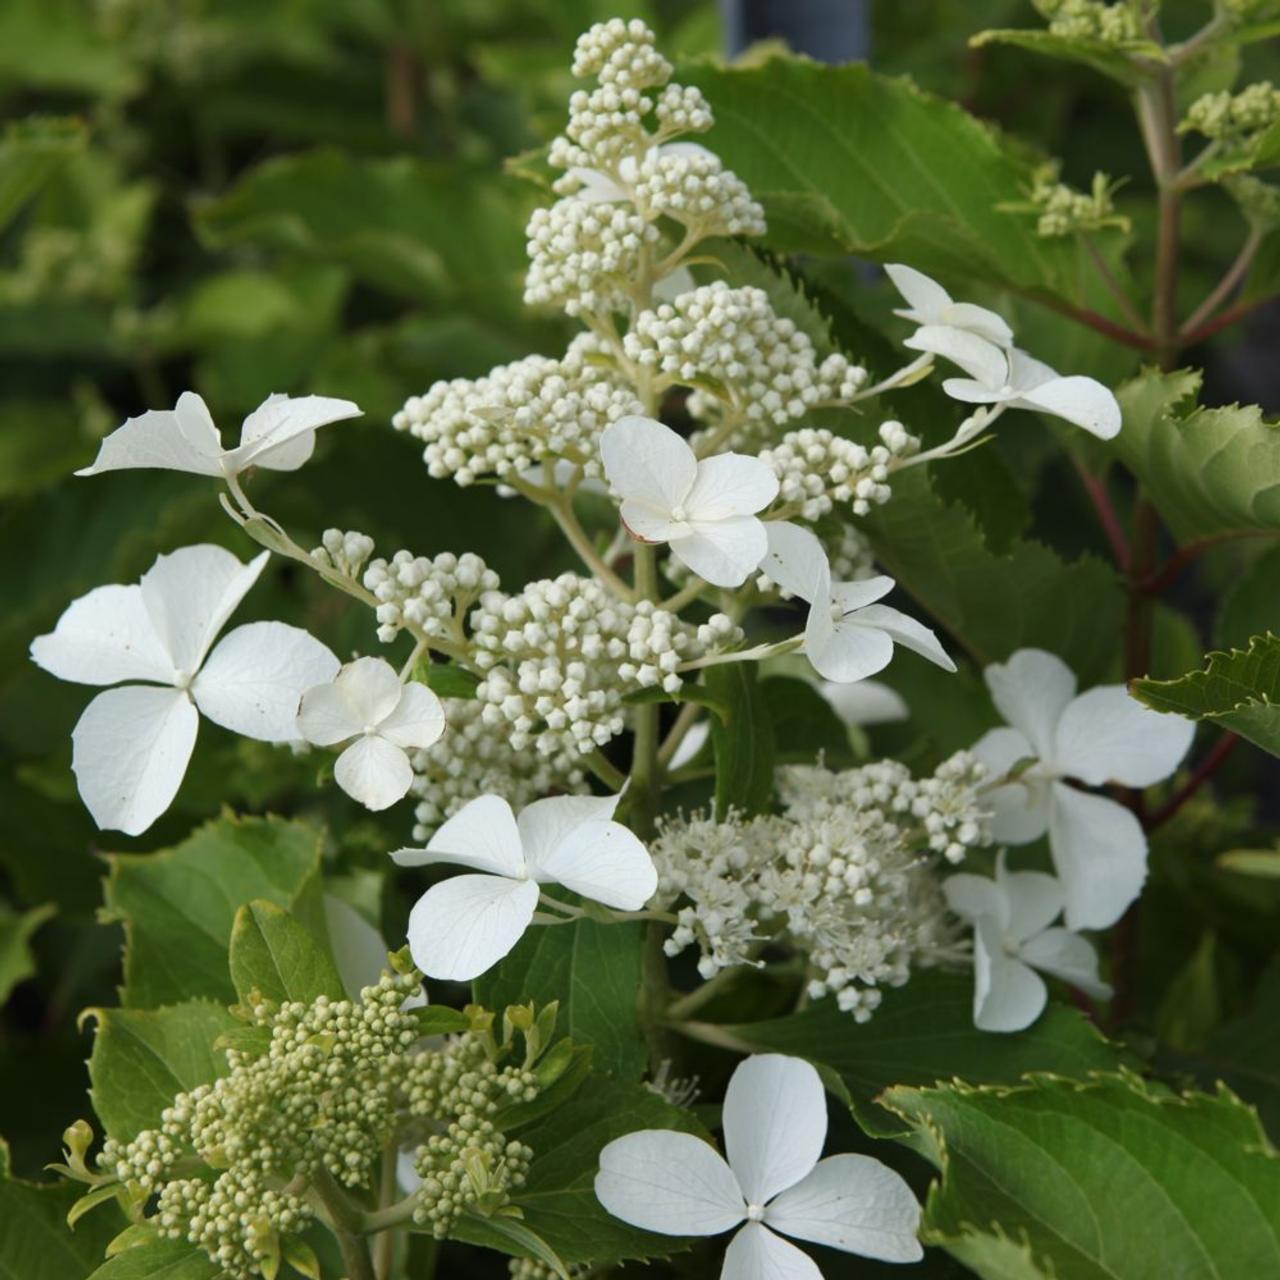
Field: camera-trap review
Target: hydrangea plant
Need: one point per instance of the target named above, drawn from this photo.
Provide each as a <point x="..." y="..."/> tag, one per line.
<point x="640" y="809"/>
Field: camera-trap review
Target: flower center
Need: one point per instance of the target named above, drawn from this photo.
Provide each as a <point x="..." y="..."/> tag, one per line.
<point x="370" y="730"/>
<point x="755" y="1213"/>
<point x="183" y="679"/>
<point x="679" y="513"/>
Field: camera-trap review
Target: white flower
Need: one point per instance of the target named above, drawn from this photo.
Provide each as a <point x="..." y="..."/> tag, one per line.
<point x="704" y="510"/>
<point x="847" y="636"/>
<point x="463" y="926"/>
<point x="279" y="435"/>
<point x="1018" y="381"/>
<point x="865" y="703"/>
<point x="360" y="952"/>
<point x="597" y="187"/>
<point x="775" y="1124"/>
<point x="131" y="746"/>
<point x="1011" y="916"/>
<point x="928" y="303"/>
<point x="1098" y="846"/>
<point x="367" y="702"/>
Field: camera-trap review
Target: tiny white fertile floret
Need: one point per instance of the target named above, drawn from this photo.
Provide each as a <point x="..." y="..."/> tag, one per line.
<point x="775" y="1125"/>
<point x="383" y="719"/>
<point x="704" y="510"/>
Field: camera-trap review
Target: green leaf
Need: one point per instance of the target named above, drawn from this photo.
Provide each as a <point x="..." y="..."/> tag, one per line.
<point x="519" y="1241"/>
<point x="1192" y="1004"/>
<point x="31" y="152"/>
<point x="1239" y="690"/>
<point x="16" y="961"/>
<point x="742" y="740"/>
<point x="35" y="1242"/>
<point x="449" y="680"/>
<point x="142" y="1057"/>
<point x="558" y="1200"/>
<point x="594" y="971"/>
<point x="178" y="905"/>
<point x="803" y="722"/>
<point x="923" y="1033"/>
<point x="996" y="602"/>
<point x="1249" y="604"/>
<point x="1208" y="471"/>
<point x="1113" y="60"/>
<point x="159" y="1260"/>
<point x="276" y="957"/>
<point x="848" y="161"/>
<point x="1069" y="1168"/>
<point x="1252" y="862"/>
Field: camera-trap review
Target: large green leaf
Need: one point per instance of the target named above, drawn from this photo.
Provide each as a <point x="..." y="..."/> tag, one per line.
<point x="178" y="905"/>
<point x="848" y="161"/>
<point x="160" y="1260"/>
<point x="35" y="1242"/>
<point x="31" y="152"/>
<point x="1209" y="471"/>
<point x="142" y="1057"/>
<point x="275" y="956"/>
<point x="1110" y="1179"/>
<point x="558" y="1200"/>
<point x="594" y="971"/>
<point x="996" y="602"/>
<point x="921" y="1034"/>
<point x="743" y="741"/>
<point x="1113" y="59"/>
<point x="16" y="961"/>
<point x="402" y="224"/>
<point x="1240" y="690"/>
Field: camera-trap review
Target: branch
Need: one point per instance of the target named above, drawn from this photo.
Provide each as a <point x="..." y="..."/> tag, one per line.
<point x="1161" y="579"/>
<point x="1234" y="274"/>
<point x="1106" y="511"/>
<point x="1094" y="320"/>
<point x="1204" y="771"/>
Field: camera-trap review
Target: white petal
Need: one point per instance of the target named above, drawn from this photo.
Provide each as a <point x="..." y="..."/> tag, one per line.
<point x="649" y="523"/>
<point x="844" y="651"/>
<point x="464" y="926"/>
<point x="545" y="824"/>
<point x="775" y="1122"/>
<point x="671" y="287"/>
<point x="865" y="703"/>
<point x="608" y="864"/>
<point x="1008" y="996"/>
<point x="973" y="897"/>
<point x="179" y="439"/>
<point x="795" y="560"/>
<point x="848" y="597"/>
<point x="1026" y="372"/>
<point x="755" y="1253"/>
<point x="418" y="720"/>
<point x="1031" y="691"/>
<point x="359" y="950"/>
<point x="670" y="1182"/>
<point x="970" y="392"/>
<point x="1083" y="402"/>
<point x="254" y="679"/>
<point x="1100" y="853"/>
<point x="1035" y="901"/>
<point x="650" y="462"/>
<point x="373" y="771"/>
<point x="724" y="552"/>
<point x="689" y="150"/>
<point x="980" y="359"/>
<point x="325" y="717"/>
<point x="1020" y="809"/>
<point x="974" y="319"/>
<point x="130" y="750"/>
<point x="853" y="1203"/>
<point x="191" y="593"/>
<point x="1106" y="736"/>
<point x="1068" y="956"/>
<point x="730" y="484"/>
<point x="922" y="293"/>
<point x="1000" y="749"/>
<point x="596" y="187"/>
<point x="279" y="433"/>
<point x="371" y="688"/>
<point x="482" y="835"/>
<point x="104" y="637"/>
<point x="903" y="629"/>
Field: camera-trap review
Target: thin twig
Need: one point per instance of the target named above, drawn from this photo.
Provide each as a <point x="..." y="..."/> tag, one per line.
<point x="1161" y="579"/>
<point x="1234" y="274"/>
<point x="1106" y="512"/>
<point x="1114" y="287"/>
<point x="1203" y="772"/>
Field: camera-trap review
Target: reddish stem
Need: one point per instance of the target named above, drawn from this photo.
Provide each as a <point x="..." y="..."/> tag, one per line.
<point x="1083" y="315"/>
<point x="1223" y="320"/>
<point x="1203" y="772"/>
<point x="1161" y="579"/>
<point x="1106" y="511"/>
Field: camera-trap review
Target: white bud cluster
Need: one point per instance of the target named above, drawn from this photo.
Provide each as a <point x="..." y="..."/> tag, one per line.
<point x="621" y="54"/>
<point x="559" y="657"/>
<point x="740" y="355"/>
<point x="323" y="1094"/>
<point x="1092" y="20"/>
<point x="519" y="414"/>
<point x="429" y="595"/>
<point x="345" y="552"/>
<point x="680" y="109"/>
<point x="476" y="758"/>
<point x="694" y="188"/>
<point x="841" y="866"/>
<point x="817" y="469"/>
<point x="1226" y="116"/>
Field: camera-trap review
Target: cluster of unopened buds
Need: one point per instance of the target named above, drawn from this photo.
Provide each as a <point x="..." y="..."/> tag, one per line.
<point x="1105" y="20"/>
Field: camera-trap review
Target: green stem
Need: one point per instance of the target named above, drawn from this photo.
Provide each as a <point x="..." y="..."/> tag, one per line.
<point x="384" y="1247"/>
<point x="346" y="1223"/>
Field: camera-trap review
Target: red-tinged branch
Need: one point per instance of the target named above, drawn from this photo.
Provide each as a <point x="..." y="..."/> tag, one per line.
<point x="1205" y="770"/>
<point x="1100" y="323"/>
<point x="1160" y="580"/>
<point x="1106" y="512"/>
<point x="1224" y="320"/>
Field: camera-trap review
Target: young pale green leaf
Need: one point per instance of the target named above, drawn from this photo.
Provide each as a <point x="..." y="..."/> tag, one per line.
<point x="513" y="1237"/>
<point x="1252" y="862"/>
<point x="276" y="957"/>
<point x="159" y="1260"/>
<point x="558" y="1200"/>
<point x="35" y="1243"/>
<point x="1067" y="1168"/>
<point x="31" y="152"/>
<point x="743" y="740"/>
<point x="448" y="680"/>
<point x="142" y="1057"/>
<point x="178" y="905"/>
<point x="594" y="971"/>
<point x="1239" y="689"/>
<point x="996" y="602"/>
<point x="1209" y="471"/>
<point x="922" y="1033"/>
<point x="16" y="929"/>
<point x="1117" y="61"/>
<point x="848" y="161"/>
